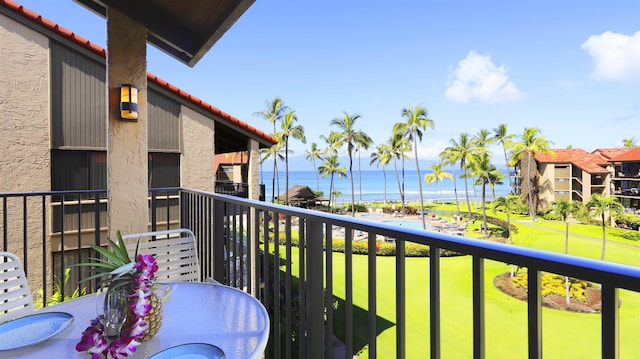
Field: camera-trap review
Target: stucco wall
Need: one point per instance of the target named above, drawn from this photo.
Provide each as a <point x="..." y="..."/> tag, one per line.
<point x="197" y="142"/>
<point x="24" y="96"/>
<point x="24" y="123"/>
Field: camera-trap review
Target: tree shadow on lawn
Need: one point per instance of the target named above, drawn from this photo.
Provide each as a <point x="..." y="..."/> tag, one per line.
<point x="360" y="325"/>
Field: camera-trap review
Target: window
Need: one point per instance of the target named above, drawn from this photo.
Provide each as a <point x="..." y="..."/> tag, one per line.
<point x="78" y="170"/>
<point x="86" y="170"/>
<point x="164" y="170"/>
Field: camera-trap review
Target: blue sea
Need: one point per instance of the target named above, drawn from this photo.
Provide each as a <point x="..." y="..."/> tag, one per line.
<point x="370" y="186"/>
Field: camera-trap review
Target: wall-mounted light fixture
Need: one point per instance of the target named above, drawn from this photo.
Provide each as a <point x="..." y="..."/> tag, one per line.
<point x="128" y="102"/>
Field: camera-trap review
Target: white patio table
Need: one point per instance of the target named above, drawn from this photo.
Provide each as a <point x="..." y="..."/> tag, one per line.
<point x="210" y="313"/>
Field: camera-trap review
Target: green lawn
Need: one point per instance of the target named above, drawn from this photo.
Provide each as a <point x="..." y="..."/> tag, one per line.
<point x="565" y="334"/>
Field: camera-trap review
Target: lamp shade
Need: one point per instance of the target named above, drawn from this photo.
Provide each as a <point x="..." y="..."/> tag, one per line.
<point x="128" y="102"/>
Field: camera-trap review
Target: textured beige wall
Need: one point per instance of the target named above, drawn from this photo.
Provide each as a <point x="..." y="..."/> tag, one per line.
<point x="24" y="123"/>
<point x="24" y="99"/>
<point x="197" y="152"/>
<point x="127" y="149"/>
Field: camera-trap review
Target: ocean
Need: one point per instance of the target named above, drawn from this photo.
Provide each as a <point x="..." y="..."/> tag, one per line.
<point x="373" y="186"/>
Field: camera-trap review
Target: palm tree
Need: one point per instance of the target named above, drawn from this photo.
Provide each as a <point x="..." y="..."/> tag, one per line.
<point x="274" y="112"/>
<point x="275" y="152"/>
<point x="349" y="137"/>
<point x="381" y="157"/>
<point x="510" y="204"/>
<point x="481" y="166"/>
<point x="482" y="140"/>
<point x="449" y="157"/>
<point x="495" y="178"/>
<point x="532" y="143"/>
<point x="363" y="143"/>
<point x="505" y="140"/>
<point x="331" y="167"/>
<point x="398" y="146"/>
<point x="417" y="122"/>
<point x="461" y="151"/>
<point x="312" y="154"/>
<point x="629" y="142"/>
<point x="565" y="209"/>
<point x="437" y="175"/>
<point x="290" y="129"/>
<point x="600" y="206"/>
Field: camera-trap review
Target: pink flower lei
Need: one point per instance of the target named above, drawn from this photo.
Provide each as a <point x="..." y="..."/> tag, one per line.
<point x="94" y="340"/>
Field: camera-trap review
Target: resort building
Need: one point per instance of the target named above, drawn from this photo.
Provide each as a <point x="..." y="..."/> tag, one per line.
<point x="575" y="175"/>
<point x="626" y="179"/>
<point x="54" y="122"/>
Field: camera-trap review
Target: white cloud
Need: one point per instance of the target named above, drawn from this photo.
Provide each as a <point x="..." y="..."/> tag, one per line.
<point x="616" y="56"/>
<point x="478" y="78"/>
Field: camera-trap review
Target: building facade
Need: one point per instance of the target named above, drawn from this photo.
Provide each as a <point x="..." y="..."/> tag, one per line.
<point x="53" y="96"/>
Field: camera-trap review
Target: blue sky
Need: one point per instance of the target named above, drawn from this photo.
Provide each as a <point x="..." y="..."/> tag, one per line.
<point x="570" y="67"/>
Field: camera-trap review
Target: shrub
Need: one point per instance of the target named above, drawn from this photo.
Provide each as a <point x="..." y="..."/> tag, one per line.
<point x="628" y="220"/>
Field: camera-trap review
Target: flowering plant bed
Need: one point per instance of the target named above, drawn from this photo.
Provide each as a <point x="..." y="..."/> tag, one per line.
<point x="584" y="296"/>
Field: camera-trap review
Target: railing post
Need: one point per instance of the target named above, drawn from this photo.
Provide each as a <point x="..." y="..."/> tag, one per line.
<point x="534" y="317"/>
<point x="218" y="241"/>
<point x="434" y="300"/>
<point x="315" y="300"/>
<point x="478" y="308"/>
<point x="610" y="332"/>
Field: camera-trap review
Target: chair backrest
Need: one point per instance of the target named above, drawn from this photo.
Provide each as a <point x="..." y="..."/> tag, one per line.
<point x="15" y="295"/>
<point x="174" y="250"/>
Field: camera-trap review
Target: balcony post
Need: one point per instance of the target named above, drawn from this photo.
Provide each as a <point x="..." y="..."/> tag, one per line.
<point x="610" y="332"/>
<point x="217" y="247"/>
<point x="315" y="331"/>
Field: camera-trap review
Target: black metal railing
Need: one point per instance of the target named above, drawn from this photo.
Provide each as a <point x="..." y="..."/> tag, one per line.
<point x="277" y="253"/>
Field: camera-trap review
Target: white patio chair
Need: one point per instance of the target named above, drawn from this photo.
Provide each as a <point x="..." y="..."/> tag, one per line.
<point x="174" y="250"/>
<point x="15" y="295"/>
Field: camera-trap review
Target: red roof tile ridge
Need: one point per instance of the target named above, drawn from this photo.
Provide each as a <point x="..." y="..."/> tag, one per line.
<point x="203" y="104"/>
<point x="33" y="16"/>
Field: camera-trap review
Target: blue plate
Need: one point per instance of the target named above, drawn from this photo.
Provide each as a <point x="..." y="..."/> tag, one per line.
<point x="33" y="329"/>
<point x="191" y="351"/>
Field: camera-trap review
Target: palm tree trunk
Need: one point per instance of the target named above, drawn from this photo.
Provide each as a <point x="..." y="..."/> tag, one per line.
<point x="532" y="211"/>
<point x="315" y="169"/>
<point x="395" y="165"/>
<point x="384" y="176"/>
<point x="415" y="151"/>
<point x="455" y="189"/>
<point x="604" y="237"/>
<point x="286" y="172"/>
<point x="353" y="195"/>
<point x="484" y="207"/>
<point x="330" y="193"/>
<point x="506" y="160"/>
<point x="466" y="191"/>
<point x="360" y="174"/>
<point x="402" y="193"/>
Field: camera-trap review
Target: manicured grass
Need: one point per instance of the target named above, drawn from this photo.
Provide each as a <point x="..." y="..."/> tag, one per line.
<point x="565" y="334"/>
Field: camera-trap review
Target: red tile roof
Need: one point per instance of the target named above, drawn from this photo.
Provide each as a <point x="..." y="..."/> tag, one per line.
<point x="37" y="18"/>
<point x="609" y="153"/>
<point x="588" y="162"/>
<point x="632" y="154"/>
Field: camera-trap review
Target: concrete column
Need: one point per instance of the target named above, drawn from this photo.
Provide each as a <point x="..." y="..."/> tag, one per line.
<point x="127" y="144"/>
<point x="253" y="180"/>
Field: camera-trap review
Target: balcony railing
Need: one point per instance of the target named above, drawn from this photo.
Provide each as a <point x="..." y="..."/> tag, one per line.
<point x="277" y="253"/>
